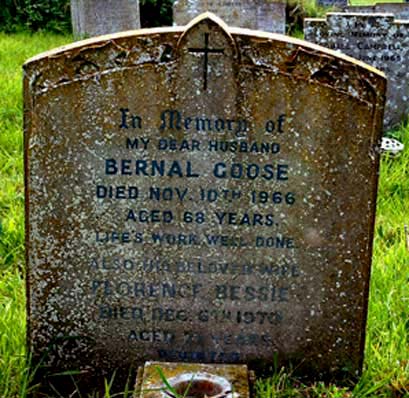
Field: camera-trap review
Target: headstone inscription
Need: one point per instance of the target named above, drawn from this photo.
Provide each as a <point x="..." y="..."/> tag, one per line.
<point x="199" y="194"/>
<point x="100" y="17"/>
<point x="377" y="39"/>
<point x="267" y="15"/>
<point x="399" y="10"/>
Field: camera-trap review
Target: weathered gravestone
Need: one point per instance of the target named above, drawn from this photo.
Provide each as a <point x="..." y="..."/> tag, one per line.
<point x="342" y="4"/>
<point x="399" y="10"/>
<point x="199" y="194"/>
<point x="265" y="15"/>
<point x="377" y="39"/>
<point x="99" y="17"/>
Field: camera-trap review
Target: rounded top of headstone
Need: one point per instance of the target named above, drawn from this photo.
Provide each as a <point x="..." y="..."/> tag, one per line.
<point x="202" y="26"/>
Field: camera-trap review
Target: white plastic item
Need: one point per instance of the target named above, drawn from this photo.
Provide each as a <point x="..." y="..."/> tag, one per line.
<point x="391" y="146"/>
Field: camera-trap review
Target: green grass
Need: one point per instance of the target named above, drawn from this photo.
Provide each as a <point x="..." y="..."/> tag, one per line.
<point x="14" y="50"/>
<point x="386" y="370"/>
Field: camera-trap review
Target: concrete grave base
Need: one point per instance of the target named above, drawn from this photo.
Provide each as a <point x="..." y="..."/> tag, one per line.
<point x="194" y="380"/>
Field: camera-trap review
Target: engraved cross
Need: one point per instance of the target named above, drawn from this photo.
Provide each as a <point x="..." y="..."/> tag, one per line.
<point x="206" y="51"/>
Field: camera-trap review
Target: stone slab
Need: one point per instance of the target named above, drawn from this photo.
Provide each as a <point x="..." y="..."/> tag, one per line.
<point x="264" y="15"/>
<point x="101" y="17"/>
<point x="377" y="39"/>
<point x="399" y="10"/>
<point x="200" y="194"/>
<point x="339" y="4"/>
<point x="226" y="381"/>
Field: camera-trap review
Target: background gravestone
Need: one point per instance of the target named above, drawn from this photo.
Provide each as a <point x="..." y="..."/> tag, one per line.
<point x="199" y="194"/>
<point x="264" y="15"/>
<point x="100" y="17"/>
<point x="342" y="4"/>
<point x="399" y="10"/>
<point x="377" y="39"/>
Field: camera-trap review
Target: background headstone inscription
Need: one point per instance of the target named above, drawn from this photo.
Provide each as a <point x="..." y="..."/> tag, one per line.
<point x="267" y="15"/>
<point x="200" y="195"/>
<point x="100" y="17"/>
<point x="376" y="39"/>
